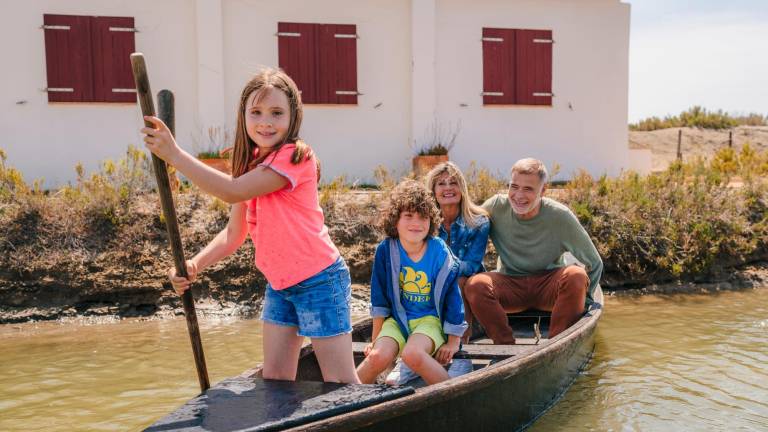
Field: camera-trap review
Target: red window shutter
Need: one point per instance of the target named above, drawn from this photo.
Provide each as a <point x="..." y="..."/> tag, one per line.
<point x="113" y="42"/>
<point x="533" y="74"/>
<point x="337" y="71"/>
<point x="498" y="66"/>
<point x="68" y="58"/>
<point x="297" y="56"/>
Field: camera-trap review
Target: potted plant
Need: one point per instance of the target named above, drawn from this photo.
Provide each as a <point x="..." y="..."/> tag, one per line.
<point x="435" y="147"/>
<point x="214" y="152"/>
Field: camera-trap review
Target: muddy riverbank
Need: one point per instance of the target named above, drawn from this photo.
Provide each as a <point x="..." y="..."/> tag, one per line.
<point x="46" y="273"/>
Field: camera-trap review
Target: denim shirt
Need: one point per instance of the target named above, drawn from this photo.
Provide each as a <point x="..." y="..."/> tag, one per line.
<point x="468" y="244"/>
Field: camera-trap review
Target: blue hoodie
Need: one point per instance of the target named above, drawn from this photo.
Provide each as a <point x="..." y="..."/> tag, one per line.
<point x="385" y="289"/>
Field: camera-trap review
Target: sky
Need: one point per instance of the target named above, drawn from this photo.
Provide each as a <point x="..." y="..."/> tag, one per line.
<point x="712" y="53"/>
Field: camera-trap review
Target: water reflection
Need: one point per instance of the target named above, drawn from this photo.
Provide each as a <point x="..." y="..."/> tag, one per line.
<point x="695" y="362"/>
<point x="673" y="363"/>
<point x="117" y="376"/>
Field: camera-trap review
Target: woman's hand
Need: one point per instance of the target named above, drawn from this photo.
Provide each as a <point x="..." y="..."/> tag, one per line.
<point x="159" y="140"/>
<point x="445" y="353"/>
<point x="181" y="284"/>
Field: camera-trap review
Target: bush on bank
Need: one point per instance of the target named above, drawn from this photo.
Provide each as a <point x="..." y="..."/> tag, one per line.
<point x="690" y="222"/>
<point x="699" y="117"/>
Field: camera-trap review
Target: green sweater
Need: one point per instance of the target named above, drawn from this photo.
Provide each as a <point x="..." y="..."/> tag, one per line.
<point x="527" y="247"/>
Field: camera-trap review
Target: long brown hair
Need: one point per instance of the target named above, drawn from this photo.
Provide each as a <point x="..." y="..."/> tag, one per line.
<point x="264" y="81"/>
<point x="470" y="212"/>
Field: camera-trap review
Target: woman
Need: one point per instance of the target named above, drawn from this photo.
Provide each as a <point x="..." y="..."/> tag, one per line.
<point x="465" y="225"/>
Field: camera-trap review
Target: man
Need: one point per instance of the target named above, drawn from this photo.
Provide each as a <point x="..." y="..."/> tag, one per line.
<point x="531" y="234"/>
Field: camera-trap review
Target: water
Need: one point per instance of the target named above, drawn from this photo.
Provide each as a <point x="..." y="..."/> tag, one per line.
<point x="114" y="376"/>
<point x="669" y="363"/>
<point x="694" y="362"/>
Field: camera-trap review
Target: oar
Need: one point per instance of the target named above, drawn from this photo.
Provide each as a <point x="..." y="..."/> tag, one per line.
<point x="165" y="100"/>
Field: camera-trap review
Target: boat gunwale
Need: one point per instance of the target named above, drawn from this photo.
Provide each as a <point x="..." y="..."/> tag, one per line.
<point x="474" y="381"/>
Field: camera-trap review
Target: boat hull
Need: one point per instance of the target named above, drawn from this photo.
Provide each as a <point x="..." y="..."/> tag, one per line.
<point x="508" y="395"/>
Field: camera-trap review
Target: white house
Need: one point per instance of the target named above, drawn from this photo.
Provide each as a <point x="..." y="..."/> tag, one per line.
<point x="542" y="78"/>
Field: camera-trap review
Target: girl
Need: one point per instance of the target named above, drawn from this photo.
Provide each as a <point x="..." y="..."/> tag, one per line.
<point x="465" y="225"/>
<point x="273" y="192"/>
<point x="415" y="301"/>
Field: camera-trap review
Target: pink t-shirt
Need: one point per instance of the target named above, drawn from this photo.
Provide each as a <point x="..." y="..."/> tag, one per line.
<point x="287" y="226"/>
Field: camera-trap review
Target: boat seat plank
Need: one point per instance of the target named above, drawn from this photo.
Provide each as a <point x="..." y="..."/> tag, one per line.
<point x="257" y="404"/>
<point x="471" y="351"/>
<point x="519" y="341"/>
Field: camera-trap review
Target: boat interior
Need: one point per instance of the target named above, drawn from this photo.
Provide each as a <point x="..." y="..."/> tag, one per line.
<point x="252" y="403"/>
<point x="530" y="327"/>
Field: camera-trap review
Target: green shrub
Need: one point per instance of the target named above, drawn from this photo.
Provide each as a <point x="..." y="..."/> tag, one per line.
<point x="482" y="184"/>
<point x="687" y="222"/>
<point x="384" y="179"/>
<point x="105" y="196"/>
<point x="12" y="184"/>
<point x="329" y="193"/>
<point x="700" y="118"/>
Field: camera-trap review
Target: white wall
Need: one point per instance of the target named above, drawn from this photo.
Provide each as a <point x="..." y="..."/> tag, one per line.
<point x="48" y="140"/>
<point x="401" y="42"/>
<point x="349" y="139"/>
<point x="590" y="73"/>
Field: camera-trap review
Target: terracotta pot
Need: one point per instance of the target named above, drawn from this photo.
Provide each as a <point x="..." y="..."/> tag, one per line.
<point x="219" y="164"/>
<point x="422" y="164"/>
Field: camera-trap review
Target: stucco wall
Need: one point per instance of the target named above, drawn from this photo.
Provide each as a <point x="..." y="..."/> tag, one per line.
<point x="205" y="50"/>
<point x="586" y="127"/>
<point x="349" y="139"/>
<point x="48" y="140"/>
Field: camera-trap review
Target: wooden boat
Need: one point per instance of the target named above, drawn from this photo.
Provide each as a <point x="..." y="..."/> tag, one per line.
<point x="509" y="388"/>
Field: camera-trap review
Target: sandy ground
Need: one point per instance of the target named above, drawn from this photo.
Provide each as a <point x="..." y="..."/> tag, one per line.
<point x="696" y="142"/>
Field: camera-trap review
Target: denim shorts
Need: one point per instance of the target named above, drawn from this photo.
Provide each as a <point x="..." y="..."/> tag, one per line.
<point x="318" y="306"/>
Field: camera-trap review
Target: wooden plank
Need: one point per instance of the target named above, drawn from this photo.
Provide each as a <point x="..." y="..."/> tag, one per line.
<point x="475" y="351"/>
<point x="326" y="63"/>
<point x="68" y="58"/>
<point x="111" y="63"/>
<point x="297" y="56"/>
<point x="343" y="72"/>
<point x="533" y="67"/>
<point x="255" y="404"/>
<point x="498" y="66"/>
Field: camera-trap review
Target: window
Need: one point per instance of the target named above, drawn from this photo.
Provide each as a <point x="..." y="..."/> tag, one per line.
<point x="517" y="67"/>
<point x="322" y="59"/>
<point x="88" y="58"/>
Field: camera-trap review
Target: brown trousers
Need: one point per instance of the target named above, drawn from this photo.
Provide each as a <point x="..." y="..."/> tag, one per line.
<point x="492" y="295"/>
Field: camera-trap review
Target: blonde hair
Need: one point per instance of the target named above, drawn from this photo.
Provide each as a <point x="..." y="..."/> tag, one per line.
<point x="411" y="196"/>
<point x="469" y="211"/>
<point x="530" y="166"/>
<point x="264" y="81"/>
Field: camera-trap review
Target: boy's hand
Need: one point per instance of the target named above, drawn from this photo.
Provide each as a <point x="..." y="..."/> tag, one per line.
<point x="445" y="353"/>
<point x="159" y="139"/>
<point x="179" y="283"/>
<point x="367" y="349"/>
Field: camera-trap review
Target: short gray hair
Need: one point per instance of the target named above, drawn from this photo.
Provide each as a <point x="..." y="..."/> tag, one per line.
<point x="530" y="166"/>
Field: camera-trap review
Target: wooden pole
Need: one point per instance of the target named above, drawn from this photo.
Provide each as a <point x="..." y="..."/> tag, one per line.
<point x="680" y="144"/>
<point x="730" y="138"/>
<point x="165" y="101"/>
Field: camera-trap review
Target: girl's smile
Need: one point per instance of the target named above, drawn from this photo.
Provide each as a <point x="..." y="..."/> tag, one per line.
<point x="267" y="117"/>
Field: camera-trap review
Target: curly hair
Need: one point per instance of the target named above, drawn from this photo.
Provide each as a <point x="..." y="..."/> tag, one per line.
<point x="410" y="196"/>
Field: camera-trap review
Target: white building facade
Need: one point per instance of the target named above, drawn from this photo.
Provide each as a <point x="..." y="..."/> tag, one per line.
<point x="417" y="64"/>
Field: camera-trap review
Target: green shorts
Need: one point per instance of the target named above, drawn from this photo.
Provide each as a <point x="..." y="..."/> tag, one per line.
<point x="429" y="326"/>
